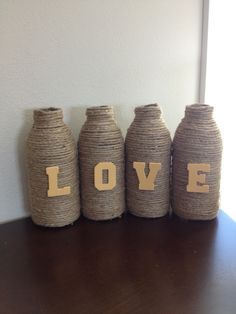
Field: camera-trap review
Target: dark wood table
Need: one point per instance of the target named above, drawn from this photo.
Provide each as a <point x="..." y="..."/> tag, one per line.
<point x="129" y="265"/>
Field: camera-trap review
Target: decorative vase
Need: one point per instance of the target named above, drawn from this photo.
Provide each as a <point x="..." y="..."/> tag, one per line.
<point x="101" y="160"/>
<point x="52" y="170"/>
<point x="197" y="150"/>
<point x="148" y="152"/>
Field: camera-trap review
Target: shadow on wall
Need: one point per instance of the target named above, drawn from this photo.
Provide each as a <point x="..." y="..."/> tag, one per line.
<point x="124" y="117"/>
<point x="77" y="117"/>
<point x="21" y="150"/>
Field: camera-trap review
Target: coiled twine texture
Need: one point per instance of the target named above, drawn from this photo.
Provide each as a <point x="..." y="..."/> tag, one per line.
<point x="148" y="140"/>
<point x="197" y="140"/>
<point x="101" y="140"/>
<point x="50" y="143"/>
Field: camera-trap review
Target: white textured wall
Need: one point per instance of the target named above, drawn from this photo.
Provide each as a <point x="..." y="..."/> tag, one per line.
<point x="77" y="53"/>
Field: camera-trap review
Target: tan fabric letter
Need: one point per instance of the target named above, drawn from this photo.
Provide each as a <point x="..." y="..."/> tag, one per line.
<point x="98" y="176"/>
<point x="195" y="180"/>
<point x="53" y="189"/>
<point x="146" y="183"/>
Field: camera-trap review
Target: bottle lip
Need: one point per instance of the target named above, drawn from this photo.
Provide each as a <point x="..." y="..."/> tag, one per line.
<point x="199" y="107"/>
<point x="148" y="109"/>
<point x="47" y="111"/>
<point x="100" y="110"/>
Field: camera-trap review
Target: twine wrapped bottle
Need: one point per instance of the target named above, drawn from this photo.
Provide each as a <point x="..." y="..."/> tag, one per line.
<point x="51" y="144"/>
<point x="197" y="141"/>
<point x="148" y="140"/>
<point x="101" y="141"/>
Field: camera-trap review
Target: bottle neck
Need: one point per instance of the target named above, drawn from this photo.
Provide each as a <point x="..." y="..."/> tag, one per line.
<point x="198" y="112"/>
<point x="148" y="112"/>
<point x="48" y="118"/>
<point x="100" y="113"/>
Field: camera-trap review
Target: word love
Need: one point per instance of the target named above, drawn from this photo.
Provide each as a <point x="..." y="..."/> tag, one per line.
<point x="196" y="177"/>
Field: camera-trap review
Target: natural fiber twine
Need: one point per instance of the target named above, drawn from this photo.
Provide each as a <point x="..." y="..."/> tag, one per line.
<point x="148" y="140"/>
<point x="197" y="140"/>
<point x="50" y="143"/>
<point x="101" y="140"/>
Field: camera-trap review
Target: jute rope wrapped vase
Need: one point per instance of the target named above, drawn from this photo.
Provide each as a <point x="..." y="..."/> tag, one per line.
<point x="100" y="142"/>
<point x="197" y="149"/>
<point x="52" y="170"/>
<point x="148" y="142"/>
